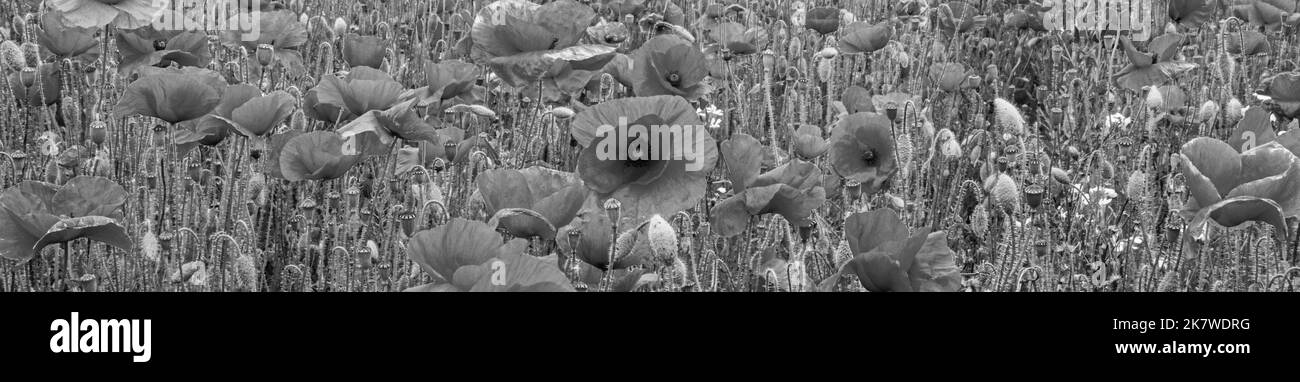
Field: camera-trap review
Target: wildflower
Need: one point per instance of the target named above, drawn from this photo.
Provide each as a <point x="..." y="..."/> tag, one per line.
<point x="889" y="260"/>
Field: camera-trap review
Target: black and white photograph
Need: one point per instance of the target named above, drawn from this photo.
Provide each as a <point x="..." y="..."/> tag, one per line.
<point x="1130" y="168"/>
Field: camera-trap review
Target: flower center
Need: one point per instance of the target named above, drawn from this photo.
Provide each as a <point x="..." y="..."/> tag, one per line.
<point x="674" y="79"/>
<point x="870" y="157"/>
<point x="159" y="44"/>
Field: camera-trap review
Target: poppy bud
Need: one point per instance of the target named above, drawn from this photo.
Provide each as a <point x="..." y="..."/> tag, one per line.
<point x="663" y="238"/>
<point x="265" y="54"/>
<point x="32" y="53"/>
<point x="11" y="56"/>
<point x="1234" y="110"/>
<point x="98" y="131"/>
<point x="1208" y="111"/>
<point x="1136" y="185"/>
<point x="340" y="26"/>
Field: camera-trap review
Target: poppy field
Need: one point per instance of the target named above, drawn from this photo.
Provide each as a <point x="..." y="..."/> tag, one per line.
<point x="814" y="146"/>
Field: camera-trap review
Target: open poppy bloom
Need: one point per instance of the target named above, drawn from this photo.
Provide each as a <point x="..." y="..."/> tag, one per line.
<point x="1261" y="184"/>
<point x="862" y="150"/>
<point x="1267" y="13"/>
<point x="281" y="33"/>
<point x="951" y="76"/>
<point x="35" y="214"/>
<point x="888" y="260"/>
<point x="860" y="37"/>
<point x="65" y="41"/>
<point x="792" y="190"/>
<point x="738" y="40"/>
<point x="808" y="142"/>
<point x="609" y="33"/>
<point x="341" y="99"/>
<point x="659" y="168"/>
<point x="1154" y="68"/>
<point x="317" y="155"/>
<point x="823" y="20"/>
<point x="375" y="131"/>
<point x="668" y="65"/>
<point x="1254" y="129"/>
<point x="531" y="202"/>
<point x="857" y="99"/>
<point x="1256" y="43"/>
<point x="149" y="47"/>
<point x="447" y="80"/>
<point x="172" y="95"/>
<point x="1189" y="12"/>
<point x="524" y="43"/>
<point x="124" y="14"/>
<point x="274" y="150"/>
<point x="368" y="51"/>
<point x="260" y="115"/>
<point x="959" y="17"/>
<point x="1283" y="90"/>
<point x="213" y="128"/>
<point x="37" y="86"/>
<point x="462" y="256"/>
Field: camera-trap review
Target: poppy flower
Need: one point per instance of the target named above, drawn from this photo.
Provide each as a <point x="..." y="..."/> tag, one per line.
<point x="860" y="37"/>
<point x="1283" y="90"/>
<point x="447" y="80"/>
<point x="282" y="32"/>
<point x="462" y="255"/>
<point x="632" y="247"/>
<point x="124" y="14"/>
<point x="1024" y="19"/>
<point x="887" y="259"/>
<point x="533" y="201"/>
<point x="1254" y="129"/>
<point x="35" y="214"/>
<point x="1256" y="43"/>
<point x="738" y="40"/>
<point x="808" y="142"/>
<point x="609" y="33"/>
<point x="1155" y="67"/>
<point x="1189" y="12"/>
<point x="149" y="47"/>
<point x="823" y="20"/>
<point x="667" y="65"/>
<point x="364" y="89"/>
<point x="1261" y="184"/>
<point x="857" y="99"/>
<point x="259" y="116"/>
<point x="524" y="43"/>
<point x="1267" y="13"/>
<point x="862" y="150"/>
<point x="792" y="190"/>
<point x="366" y="51"/>
<point x="958" y="17"/>
<point x="951" y="76"/>
<point x="64" y="41"/>
<point x="213" y="128"/>
<point x="661" y="174"/>
<point x="37" y="86"/>
<point x="375" y="131"/>
<point x="275" y="149"/>
<point x="174" y="95"/>
<point x="316" y="155"/>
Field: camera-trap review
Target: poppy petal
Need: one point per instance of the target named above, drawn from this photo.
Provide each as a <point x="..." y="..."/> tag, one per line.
<point x="743" y="155"/>
<point x="1236" y="211"/>
<point x="443" y="250"/>
<point x="94" y="228"/>
<point x="1215" y="159"/>
<point x="315" y="155"/>
<point x="274" y="148"/>
<point x="89" y="196"/>
<point x="867" y="230"/>
<point x="260" y="116"/>
<point x="935" y="268"/>
<point x="522" y="273"/>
